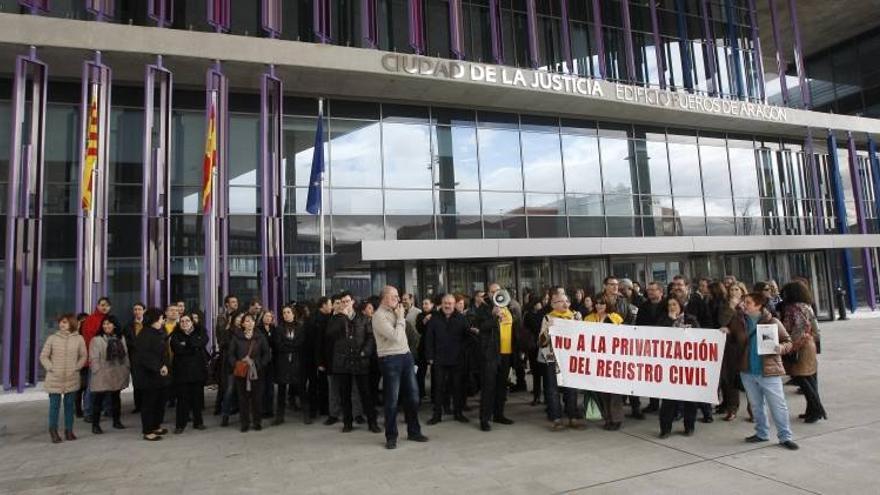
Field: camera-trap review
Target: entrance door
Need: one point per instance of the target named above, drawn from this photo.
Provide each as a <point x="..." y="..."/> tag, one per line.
<point x="468" y="277"/>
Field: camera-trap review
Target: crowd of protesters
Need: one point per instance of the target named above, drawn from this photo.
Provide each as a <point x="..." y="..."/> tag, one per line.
<point x="340" y="359"/>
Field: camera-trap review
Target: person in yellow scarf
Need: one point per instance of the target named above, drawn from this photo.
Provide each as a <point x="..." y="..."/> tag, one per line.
<point x="560" y="309"/>
<point x="612" y="404"/>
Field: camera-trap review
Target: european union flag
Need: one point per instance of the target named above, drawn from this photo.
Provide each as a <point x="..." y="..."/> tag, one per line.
<point x="313" y="202"/>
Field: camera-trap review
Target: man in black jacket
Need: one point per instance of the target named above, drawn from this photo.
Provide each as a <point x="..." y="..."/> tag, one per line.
<point x="695" y="305"/>
<point x="651" y="311"/>
<point x="497" y="330"/>
<point x="315" y="382"/>
<point x="444" y="344"/>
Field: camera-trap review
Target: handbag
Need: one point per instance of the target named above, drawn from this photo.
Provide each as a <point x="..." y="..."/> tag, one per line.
<point x="241" y="366"/>
<point x="591" y="408"/>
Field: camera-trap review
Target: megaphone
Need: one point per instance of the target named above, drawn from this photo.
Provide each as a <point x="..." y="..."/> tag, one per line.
<point x="501" y="298"/>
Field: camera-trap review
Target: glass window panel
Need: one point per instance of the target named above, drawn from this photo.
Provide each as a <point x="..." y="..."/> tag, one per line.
<point x="659" y="226"/>
<point x="351" y="229"/>
<point x="502" y="203"/>
<point x="616" y="175"/>
<point x="124" y="236"/>
<point x="457" y="202"/>
<point x="243" y="199"/>
<point x="244" y="276"/>
<point x="453" y="116"/>
<point x="126" y="146"/>
<point x="355" y="158"/>
<point x="743" y="172"/>
<point x="62" y="143"/>
<point x="186" y="199"/>
<point x="547" y="227"/>
<point x="719" y="207"/>
<point x="187" y="236"/>
<point x="693" y="226"/>
<point x="244" y="149"/>
<point x="124" y="199"/>
<point x="653" y="167"/>
<point x="713" y="161"/>
<point x="299" y="148"/>
<point x="459" y="227"/>
<point x="187" y="146"/>
<point x="584" y="204"/>
<point x="124" y="280"/>
<point x="688" y="207"/>
<point x="407" y="227"/>
<point x="545" y="204"/>
<point x="587" y="226"/>
<point x="505" y="227"/>
<point x="356" y="201"/>
<point x="354" y="109"/>
<point x="404" y="113"/>
<point x="5" y="134"/>
<point x="407" y="152"/>
<point x="500" y="159"/>
<point x="301" y="234"/>
<point x="456" y="160"/>
<point x="542" y="161"/>
<point x="244" y="235"/>
<point x="408" y="203"/>
<point x="685" y="167"/>
<point x="624" y="226"/>
<point x="619" y="204"/>
<point x="581" y="157"/>
<point x="721" y="226"/>
<point x="59" y="236"/>
<point x="61" y="198"/>
<point x="657" y="206"/>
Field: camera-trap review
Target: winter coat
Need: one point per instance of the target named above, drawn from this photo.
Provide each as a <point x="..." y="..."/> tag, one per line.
<point x="684" y="320"/>
<point x="130" y="333"/>
<point x="444" y="339"/>
<point x="799" y="321"/>
<point x="350" y="344"/>
<point x="422" y="328"/>
<point x="190" y="363"/>
<point x="772" y="363"/>
<point x="650" y="313"/>
<point x="152" y="354"/>
<point x="288" y="346"/>
<point x="90" y="327"/>
<point x="490" y="332"/>
<point x="63" y="355"/>
<point x="260" y="354"/>
<point x="315" y="330"/>
<point x="106" y="375"/>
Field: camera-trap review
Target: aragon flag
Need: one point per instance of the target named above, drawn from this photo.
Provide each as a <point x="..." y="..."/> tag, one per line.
<point x="91" y="155"/>
<point x="210" y="161"/>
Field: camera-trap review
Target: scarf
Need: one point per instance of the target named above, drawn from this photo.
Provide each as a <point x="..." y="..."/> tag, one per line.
<point x="565" y="315"/>
<point x="115" y="349"/>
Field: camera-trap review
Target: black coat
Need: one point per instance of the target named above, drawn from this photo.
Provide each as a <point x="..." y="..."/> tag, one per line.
<point x="422" y="328"/>
<point x="490" y="332"/>
<point x="190" y="356"/>
<point x="238" y="349"/>
<point x="444" y="339"/>
<point x="349" y="345"/>
<point x="315" y="330"/>
<point x="650" y="313"/>
<point x="698" y="308"/>
<point x="666" y="321"/>
<point x="288" y="343"/>
<point x="152" y="354"/>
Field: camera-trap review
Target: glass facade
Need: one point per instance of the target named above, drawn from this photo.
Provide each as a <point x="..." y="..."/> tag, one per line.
<point x="839" y="83"/>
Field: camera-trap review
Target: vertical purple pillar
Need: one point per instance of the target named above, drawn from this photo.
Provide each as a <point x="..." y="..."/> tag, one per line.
<point x="161" y="11"/>
<point x="856" y="176"/>
<point x="219" y="15"/>
<point x="628" y="43"/>
<point x="101" y="9"/>
<point x="456" y="39"/>
<point x="819" y="200"/>
<point x="799" y="58"/>
<point x="758" y="56"/>
<point x="270" y="17"/>
<point x="369" y="27"/>
<point x="566" y="37"/>
<point x="780" y="59"/>
<point x="658" y="45"/>
<point x="416" y="27"/>
<point x="598" y="38"/>
<point x="495" y="27"/>
<point x="272" y="242"/>
<point x="156" y="205"/>
<point x="321" y="21"/>
<point x="711" y="64"/>
<point x="22" y="316"/>
<point x="35" y="6"/>
<point x="875" y="174"/>
<point x="532" y="29"/>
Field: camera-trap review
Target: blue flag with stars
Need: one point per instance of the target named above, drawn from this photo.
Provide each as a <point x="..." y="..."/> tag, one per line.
<point x="313" y="202"/>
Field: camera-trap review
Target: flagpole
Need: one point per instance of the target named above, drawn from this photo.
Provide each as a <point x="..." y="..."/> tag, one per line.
<point x="321" y="221"/>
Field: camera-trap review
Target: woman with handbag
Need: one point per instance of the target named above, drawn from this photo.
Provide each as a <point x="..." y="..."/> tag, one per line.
<point x="110" y="370"/>
<point x="188" y="343"/>
<point x="249" y="357"/>
<point x="801" y="362"/>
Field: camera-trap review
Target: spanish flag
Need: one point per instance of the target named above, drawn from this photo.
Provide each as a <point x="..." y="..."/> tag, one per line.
<point x="210" y="160"/>
<point x="91" y="154"/>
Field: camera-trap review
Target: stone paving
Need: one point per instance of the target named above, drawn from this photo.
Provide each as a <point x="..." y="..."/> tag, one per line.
<point x="841" y="455"/>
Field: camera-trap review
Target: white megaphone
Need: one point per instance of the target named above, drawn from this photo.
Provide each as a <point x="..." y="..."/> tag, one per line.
<point x="501" y="298"/>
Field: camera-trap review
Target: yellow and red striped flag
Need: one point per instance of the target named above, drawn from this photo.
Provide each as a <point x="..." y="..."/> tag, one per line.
<point x="91" y="154"/>
<point x="210" y="160"/>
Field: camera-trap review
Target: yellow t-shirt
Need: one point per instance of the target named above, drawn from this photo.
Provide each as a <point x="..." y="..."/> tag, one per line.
<point x="506" y="331"/>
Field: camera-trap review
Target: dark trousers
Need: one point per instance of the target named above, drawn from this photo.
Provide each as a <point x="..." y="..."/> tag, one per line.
<point x="319" y="393"/>
<point x="153" y="401"/>
<point x="250" y="402"/>
<point x="448" y="379"/>
<point x="421" y="372"/>
<point x="493" y="388"/>
<point x="810" y="386"/>
<point x="368" y="402"/>
<point x="612" y="407"/>
<point x="137" y="399"/>
<point x="668" y="408"/>
<point x="518" y="364"/>
<point x="551" y="397"/>
<point x="635" y="403"/>
<point x="269" y="393"/>
<point x="538" y="371"/>
<point x="190" y="401"/>
<point x="99" y="400"/>
<point x="291" y="390"/>
<point x="399" y="383"/>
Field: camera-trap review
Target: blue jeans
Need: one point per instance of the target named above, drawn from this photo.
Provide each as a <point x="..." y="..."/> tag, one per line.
<point x="399" y="383"/>
<point x="551" y="397"/>
<point x="230" y="397"/>
<point x="55" y="405"/>
<point x="767" y="388"/>
<point x="87" y="392"/>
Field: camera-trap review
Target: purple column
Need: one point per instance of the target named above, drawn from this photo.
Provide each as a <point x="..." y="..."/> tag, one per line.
<point x="759" y="53"/>
<point x="799" y="58"/>
<point x="532" y="29"/>
<point x="566" y="37"/>
<point x="272" y="242"/>
<point x="321" y="21"/>
<point x="416" y="27"/>
<point x="456" y="39"/>
<point x="22" y="316"/>
<point x="161" y="11"/>
<point x="628" y="42"/>
<point x="856" y="175"/>
<point x="369" y="28"/>
<point x="712" y="66"/>
<point x="35" y="6"/>
<point x="780" y="59"/>
<point x="156" y="206"/>
<point x="658" y="45"/>
<point x="598" y="38"/>
<point x="101" y="9"/>
<point x="495" y="27"/>
<point x="270" y="17"/>
<point x="218" y="14"/>
<point x="817" y="188"/>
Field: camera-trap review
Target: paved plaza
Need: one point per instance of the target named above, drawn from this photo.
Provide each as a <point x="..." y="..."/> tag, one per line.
<point x="841" y="455"/>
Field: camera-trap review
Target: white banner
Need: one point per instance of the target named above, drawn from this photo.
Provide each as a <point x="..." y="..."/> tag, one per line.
<point x="664" y="362"/>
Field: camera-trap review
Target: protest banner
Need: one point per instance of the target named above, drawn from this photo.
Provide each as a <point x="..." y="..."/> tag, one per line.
<point x="669" y="363"/>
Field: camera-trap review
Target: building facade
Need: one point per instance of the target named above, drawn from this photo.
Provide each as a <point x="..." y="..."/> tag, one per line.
<point x="533" y="142"/>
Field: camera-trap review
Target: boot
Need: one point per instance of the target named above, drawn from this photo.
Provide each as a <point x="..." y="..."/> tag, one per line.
<point x="118" y="424"/>
<point x="69" y="436"/>
<point x="53" y="433"/>
<point x="96" y="429"/>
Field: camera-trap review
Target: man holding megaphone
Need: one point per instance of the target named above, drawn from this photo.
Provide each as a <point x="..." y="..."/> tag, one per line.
<point x="497" y="327"/>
